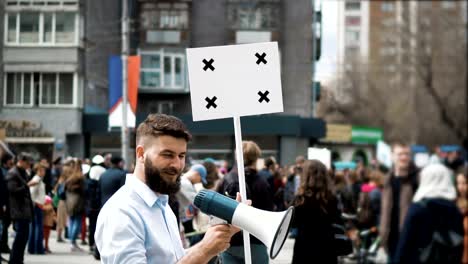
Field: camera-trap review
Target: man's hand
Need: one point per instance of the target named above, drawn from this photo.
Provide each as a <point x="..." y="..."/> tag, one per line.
<point x="217" y="239"/>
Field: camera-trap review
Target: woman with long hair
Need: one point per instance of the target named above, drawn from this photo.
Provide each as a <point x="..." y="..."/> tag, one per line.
<point x="75" y="202"/>
<point x="62" y="216"/>
<point x="316" y="210"/>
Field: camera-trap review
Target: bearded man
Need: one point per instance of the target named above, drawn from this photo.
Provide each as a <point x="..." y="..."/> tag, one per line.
<point x="137" y="225"/>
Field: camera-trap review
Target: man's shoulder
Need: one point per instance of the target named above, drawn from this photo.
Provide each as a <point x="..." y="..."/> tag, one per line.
<point x="122" y="200"/>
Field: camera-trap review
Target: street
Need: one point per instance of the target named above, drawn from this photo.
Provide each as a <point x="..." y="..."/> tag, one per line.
<point x="62" y="254"/>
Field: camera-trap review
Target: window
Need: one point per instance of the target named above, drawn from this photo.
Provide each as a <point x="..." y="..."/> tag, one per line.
<point x="352" y="5"/>
<point x="43" y="89"/>
<point x="29" y="27"/>
<point x="19" y="87"/>
<point x="253" y="16"/>
<point x="58" y="28"/>
<point x="353" y="21"/>
<point x="11" y="27"/>
<point x="64" y="27"/>
<point x="165" y="18"/>
<point x="387" y="7"/>
<point x="162" y="69"/>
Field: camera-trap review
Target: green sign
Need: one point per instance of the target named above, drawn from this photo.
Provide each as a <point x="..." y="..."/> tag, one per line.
<point x="366" y="135"/>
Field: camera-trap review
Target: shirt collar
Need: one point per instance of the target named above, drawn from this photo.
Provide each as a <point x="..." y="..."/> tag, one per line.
<point x="145" y="192"/>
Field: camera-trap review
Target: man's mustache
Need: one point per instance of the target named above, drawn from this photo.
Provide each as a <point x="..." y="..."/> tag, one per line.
<point x="171" y="171"/>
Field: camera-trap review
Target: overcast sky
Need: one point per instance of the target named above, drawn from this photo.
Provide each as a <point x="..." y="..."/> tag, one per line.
<point x="326" y="66"/>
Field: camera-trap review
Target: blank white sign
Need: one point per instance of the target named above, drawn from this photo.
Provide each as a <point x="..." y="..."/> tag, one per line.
<point x="234" y="80"/>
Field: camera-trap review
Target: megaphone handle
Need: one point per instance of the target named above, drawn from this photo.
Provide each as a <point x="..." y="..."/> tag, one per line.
<point x="241" y="175"/>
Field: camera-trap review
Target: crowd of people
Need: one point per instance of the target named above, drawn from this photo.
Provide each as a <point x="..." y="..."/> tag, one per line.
<point x="416" y="214"/>
<point x="37" y="197"/>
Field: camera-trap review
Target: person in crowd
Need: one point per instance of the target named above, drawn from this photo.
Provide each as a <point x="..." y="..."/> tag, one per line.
<point x="462" y="203"/>
<point x="93" y="199"/>
<point x="258" y="190"/>
<point x="201" y="221"/>
<point x="75" y="203"/>
<point x="212" y="173"/>
<point x="47" y="180"/>
<point x="279" y="182"/>
<point x="136" y="225"/>
<point x="107" y="160"/>
<point x="56" y="170"/>
<point x="62" y="216"/>
<point x="83" y="225"/>
<point x="186" y="195"/>
<point x="112" y="179"/>
<point x="38" y="192"/>
<point x="353" y="188"/>
<point x="196" y="174"/>
<point x="268" y="171"/>
<point x="316" y="210"/>
<point x="3" y="200"/>
<point x="21" y="206"/>
<point x="370" y="200"/>
<point x="49" y="221"/>
<point x="433" y="213"/>
<point x="399" y="187"/>
<point x="7" y="162"/>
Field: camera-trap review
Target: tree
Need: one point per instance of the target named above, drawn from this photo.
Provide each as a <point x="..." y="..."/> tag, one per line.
<point x="416" y="93"/>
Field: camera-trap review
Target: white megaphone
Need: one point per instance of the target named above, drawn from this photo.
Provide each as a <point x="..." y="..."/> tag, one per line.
<point x="271" y="228"/>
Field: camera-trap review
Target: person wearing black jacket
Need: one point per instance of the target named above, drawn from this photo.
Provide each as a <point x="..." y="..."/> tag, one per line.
<point x="21" y="206"/>
<point x="7" y="164"/>
<point x="112" y="179"/>
<point x="3" y="199"/>
<point x="433" y="227"/>
<point x="316" y="210"/>
<point x="258" y="190"/>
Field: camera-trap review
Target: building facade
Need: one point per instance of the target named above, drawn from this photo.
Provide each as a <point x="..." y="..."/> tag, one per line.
<point x="166" y="28"/>
<point x="42" y="75"/>
<point x="160" y="31"/>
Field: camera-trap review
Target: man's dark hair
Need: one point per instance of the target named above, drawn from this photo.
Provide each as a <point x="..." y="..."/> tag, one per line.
<point x="156" y="125"/>
<point x="116" y="160"/>
<point x="6" y="157"/>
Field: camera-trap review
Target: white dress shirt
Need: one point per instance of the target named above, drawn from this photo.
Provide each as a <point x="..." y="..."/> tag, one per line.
<point x="136" y="225"/>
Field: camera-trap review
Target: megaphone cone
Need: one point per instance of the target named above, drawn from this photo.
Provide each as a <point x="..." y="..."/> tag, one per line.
<point x="271" y="228"/>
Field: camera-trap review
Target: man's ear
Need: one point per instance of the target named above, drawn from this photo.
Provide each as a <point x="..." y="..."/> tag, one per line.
<point x="140" y="154"/>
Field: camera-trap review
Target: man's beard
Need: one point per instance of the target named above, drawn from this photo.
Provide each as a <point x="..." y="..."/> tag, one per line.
<point x="156" y="183"/>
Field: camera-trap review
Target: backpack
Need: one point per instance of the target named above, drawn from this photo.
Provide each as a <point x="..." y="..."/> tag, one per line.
<point x="446" y="246"/>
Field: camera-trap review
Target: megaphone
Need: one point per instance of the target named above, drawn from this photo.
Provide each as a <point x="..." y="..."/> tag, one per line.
<point x="271" y="228"/>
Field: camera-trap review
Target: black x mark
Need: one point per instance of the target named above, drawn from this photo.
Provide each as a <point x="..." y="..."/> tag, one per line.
<point x="261" y="58"/>
<point x="208" y="65"/>
<point x="211" y="102"/>
<point x="263" y="96"/>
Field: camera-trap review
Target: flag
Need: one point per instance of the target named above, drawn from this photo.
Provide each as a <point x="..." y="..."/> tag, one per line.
<point x="115" y="90"/>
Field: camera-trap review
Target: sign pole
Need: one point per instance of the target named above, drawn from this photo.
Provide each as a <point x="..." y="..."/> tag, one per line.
<point x="241" y="175"/>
